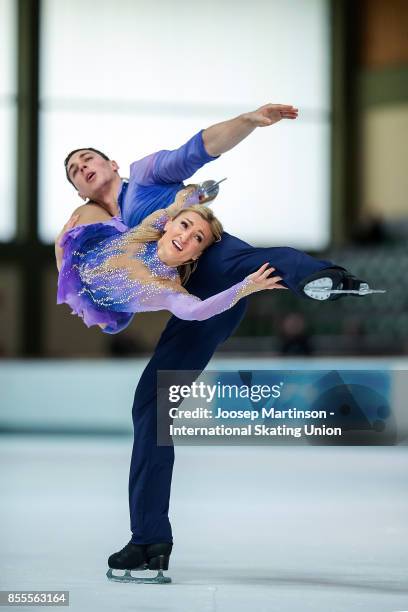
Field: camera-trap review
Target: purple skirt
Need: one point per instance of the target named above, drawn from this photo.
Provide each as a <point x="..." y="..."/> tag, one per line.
<point x="80" y="245"/>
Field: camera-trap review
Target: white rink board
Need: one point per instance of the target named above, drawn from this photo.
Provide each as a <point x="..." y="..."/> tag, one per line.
<point x="74" y="394"/>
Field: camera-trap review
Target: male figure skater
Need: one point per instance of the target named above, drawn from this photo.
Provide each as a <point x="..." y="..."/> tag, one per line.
<point x="184" y="345"/>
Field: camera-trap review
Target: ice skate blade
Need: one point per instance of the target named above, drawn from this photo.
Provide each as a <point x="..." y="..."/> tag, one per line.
<point x="127" y="577"/>
<point x="321" y="289"/>
<point x="358" y="291"/>
<point x="209" y="190"/>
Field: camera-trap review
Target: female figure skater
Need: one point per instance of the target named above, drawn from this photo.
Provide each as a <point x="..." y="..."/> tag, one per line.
<point x="108" y="272"/>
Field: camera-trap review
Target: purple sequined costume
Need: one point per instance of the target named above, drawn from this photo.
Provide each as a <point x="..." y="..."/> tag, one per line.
<point x="105" y="277"/>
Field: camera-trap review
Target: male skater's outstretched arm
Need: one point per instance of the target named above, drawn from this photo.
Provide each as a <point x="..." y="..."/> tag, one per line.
<point x="224" y="136"/>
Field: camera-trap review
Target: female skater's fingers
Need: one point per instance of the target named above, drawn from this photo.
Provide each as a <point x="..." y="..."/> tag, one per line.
<point x="265" y="274"/>
<point x="263" y="279"/>
<point x="69" y="225"/>
<point x="256" y="276"/>
<point x="272" y="282"/>
<point x="71" y="222"/>
<point x="262" y="269"/>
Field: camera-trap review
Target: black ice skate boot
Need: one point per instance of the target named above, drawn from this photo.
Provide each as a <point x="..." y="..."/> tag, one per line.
<point x="134" y="557"/>
<point x="158" y="555"/>
<point x="334" y="283"/>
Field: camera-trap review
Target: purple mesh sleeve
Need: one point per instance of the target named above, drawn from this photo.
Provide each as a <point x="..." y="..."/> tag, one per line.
<point x="189" y="307"/>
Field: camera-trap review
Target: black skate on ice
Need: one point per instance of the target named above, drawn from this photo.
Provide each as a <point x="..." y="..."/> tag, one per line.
<point x="334" y="283"/>
<point x="141" y="557"/>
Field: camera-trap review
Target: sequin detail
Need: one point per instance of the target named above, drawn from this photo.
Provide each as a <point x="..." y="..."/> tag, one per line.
<point x="151" y="260"/>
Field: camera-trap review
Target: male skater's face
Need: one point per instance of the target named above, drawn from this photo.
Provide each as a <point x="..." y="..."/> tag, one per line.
<point x="90" y="172"/>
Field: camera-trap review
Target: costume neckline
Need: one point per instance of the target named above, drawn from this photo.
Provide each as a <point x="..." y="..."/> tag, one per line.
<point x="157" y="266"/>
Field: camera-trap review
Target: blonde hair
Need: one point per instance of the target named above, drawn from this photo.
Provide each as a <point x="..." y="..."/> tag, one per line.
<point x="146" y="232"/>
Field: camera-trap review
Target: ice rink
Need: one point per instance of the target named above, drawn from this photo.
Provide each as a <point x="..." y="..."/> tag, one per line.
<point x="264" y="528"/>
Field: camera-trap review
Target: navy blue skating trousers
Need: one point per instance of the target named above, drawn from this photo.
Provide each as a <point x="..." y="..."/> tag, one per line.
<point x="189" y="345"/>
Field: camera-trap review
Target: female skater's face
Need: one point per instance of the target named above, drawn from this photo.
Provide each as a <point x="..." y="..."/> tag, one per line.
<point x="185" y="238"/>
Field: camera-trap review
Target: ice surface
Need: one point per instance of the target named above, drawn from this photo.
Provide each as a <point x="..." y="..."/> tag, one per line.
<point x="255" y="528"/>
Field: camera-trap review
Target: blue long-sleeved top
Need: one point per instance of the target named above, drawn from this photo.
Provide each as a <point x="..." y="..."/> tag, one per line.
<point x="155" y="180"/>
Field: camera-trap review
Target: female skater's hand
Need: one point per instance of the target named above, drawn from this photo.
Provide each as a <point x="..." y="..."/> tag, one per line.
<point x="180" y="200"/>
<point x="183" y="194"/>
<point x="261" y="279"/>
<point x="59" y="251"/>
<point x="69" y="225"/>
<point x="271" y="113"/>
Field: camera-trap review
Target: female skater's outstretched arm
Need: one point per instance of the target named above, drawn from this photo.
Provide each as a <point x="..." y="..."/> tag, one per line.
<point x="152" y="294"/>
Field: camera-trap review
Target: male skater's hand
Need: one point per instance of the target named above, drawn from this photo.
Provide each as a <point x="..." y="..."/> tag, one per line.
<point x="270" y="114"/>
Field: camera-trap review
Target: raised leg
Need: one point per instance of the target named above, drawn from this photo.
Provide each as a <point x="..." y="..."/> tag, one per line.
<point x="230" y="260"/>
